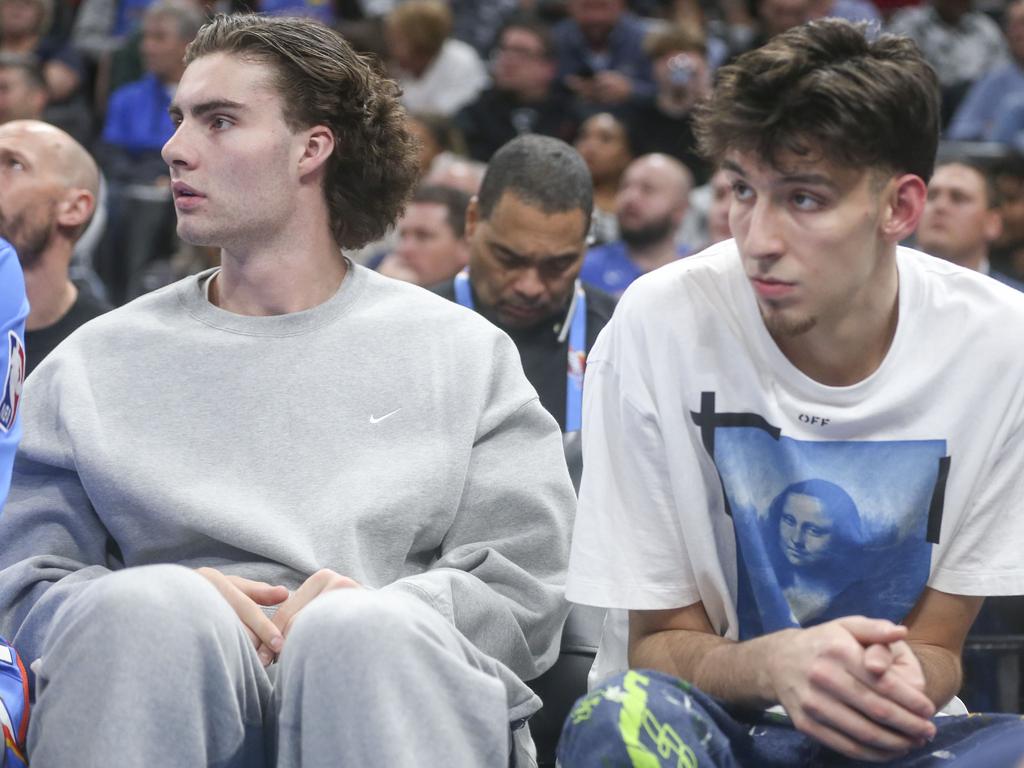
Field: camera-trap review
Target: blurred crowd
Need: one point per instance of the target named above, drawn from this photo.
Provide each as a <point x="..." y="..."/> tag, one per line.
<point x="617" y="79"/>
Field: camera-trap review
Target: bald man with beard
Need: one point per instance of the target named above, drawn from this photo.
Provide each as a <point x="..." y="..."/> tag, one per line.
<point x="48" y="189"/>
<point x="652" y="201"/>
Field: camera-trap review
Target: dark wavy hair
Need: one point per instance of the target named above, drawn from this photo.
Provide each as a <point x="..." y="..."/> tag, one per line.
<point x="540" y="170"/>
<point x="826" y="88"/>
<point x="322" y="81"/>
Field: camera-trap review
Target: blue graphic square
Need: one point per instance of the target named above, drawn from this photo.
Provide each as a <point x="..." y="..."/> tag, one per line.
<point x="826" y="529"/>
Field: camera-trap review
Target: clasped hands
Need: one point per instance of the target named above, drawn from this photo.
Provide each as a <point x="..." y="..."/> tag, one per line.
<point x="855" y="685"/>
<point x="246" y="597"/>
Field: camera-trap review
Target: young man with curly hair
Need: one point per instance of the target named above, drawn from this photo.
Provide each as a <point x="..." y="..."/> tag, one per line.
<point x="799" y="484"/>
<point x="266" y="515"/>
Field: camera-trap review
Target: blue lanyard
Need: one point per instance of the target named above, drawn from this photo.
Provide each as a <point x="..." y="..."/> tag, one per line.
<point x="576" y="318"/>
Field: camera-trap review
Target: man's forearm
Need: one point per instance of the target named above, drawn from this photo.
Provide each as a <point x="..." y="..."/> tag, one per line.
<point x="942" y="672"/>
<point x="731" y="671"/>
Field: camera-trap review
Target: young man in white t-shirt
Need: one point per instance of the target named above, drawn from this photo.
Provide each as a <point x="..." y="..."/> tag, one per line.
<point x="803" y="446"/>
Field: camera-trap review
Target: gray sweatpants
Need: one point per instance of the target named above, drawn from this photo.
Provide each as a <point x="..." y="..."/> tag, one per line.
<point x="150" y="667"/>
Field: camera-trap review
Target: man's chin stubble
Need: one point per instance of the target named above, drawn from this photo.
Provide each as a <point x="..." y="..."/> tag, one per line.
<point x="781" y="326"/>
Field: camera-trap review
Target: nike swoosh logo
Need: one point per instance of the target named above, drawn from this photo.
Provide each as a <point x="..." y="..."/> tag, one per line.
<point x="379" y="419"/>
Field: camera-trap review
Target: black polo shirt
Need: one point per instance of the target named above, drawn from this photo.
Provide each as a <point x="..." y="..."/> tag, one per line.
<point x="545" y="360"/>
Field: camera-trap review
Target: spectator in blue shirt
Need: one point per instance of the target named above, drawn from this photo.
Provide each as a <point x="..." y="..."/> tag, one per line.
<point x="651" y="204"/>
<point x="984" y="108"/>
<point x="137" y="124"/>
<point x="321" y="10"/>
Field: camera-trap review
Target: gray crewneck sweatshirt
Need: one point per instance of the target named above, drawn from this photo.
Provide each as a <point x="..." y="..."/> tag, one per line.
<point x="387" y="434"/>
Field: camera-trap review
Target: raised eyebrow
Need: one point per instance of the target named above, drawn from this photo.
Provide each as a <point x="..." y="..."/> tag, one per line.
<point x="5" y="152"/>
<point x="565" y="256"/>
<point x="809" y="179"/>
<point x="509" y="252"/>
<point x="506" y="250"/>
<point x="729" y="165"/>
<point x="206" y="107"/>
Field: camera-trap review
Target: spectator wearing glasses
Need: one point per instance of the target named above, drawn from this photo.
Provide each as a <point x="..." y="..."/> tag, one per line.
<point x="524" y="96"/>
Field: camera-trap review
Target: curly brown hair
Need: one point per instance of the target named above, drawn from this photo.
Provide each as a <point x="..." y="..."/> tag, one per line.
<point x="322" y="81"/>
<point x="827" y="88"/>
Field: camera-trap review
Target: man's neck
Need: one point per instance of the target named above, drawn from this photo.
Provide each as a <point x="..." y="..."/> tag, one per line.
<point x="277" y="281"/>
<point x="605" y="193"/>
<point x="51" y="294"/>
<point x="532" y="94"/>
<point x="974" y="260"/>
<point x="650" y="257"/>
<point x="843" y="351"/>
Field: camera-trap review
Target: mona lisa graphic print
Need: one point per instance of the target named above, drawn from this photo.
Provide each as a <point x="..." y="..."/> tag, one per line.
<point x="825" y="529"/>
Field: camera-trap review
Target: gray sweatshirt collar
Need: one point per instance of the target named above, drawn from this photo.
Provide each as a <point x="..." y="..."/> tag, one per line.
<point x="192" y="294"/>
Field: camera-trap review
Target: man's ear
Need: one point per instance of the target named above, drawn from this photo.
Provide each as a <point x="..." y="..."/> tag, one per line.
<point x="472" y="216"/>
<point x="903" y="199"/>
<point x="316" y="150"/>
<point x="993" y="225"/>
<point x="75" y="208"/>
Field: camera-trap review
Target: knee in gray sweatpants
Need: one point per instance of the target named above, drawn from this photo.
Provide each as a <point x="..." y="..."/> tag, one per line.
<point x="381" y="678"/>
<point x="159" y="648"/>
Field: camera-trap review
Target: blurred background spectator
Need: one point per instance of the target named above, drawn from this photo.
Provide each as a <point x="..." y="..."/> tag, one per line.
<point x="437" y="73"/>
<point x="23" y="93"/>
<point x="141" y="218"/>
<point x="439" y="139"/>
<point x="961" y="220"/>
<point x="137" y="124"/>
<point x="682" y="77"/>
<point x="995" y="91"/>
<point x="431" y="244"/>
<point x="652" y="201"/>
<point x="44" y="209"/>
<point x="601" y="56"/>
<point x="25" y="29"/>
<point x="604" y="145"/>
<point x="456" y="172"/>
<point x="477" y="21"/>
<point x="523" y="97"/>
<point x="961" y="43"/>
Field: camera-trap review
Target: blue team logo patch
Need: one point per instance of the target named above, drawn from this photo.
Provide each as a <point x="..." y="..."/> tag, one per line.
<point x="14" y="380"/>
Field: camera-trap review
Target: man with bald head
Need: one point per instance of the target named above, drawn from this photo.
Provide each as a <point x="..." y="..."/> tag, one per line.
<point x="651" y="203"/>
<point x="46" y="201"/>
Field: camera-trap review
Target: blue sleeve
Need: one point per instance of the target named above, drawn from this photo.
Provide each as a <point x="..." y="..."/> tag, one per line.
<point x="1008" y="121"/>
<point x="973" y="118"/>
<point x="13" y="311"/>
<point x="117" y="126"/>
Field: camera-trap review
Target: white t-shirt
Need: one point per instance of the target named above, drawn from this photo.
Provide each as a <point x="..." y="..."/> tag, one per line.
<point x="701" y="441"/>
<point x="451" y="81"/>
